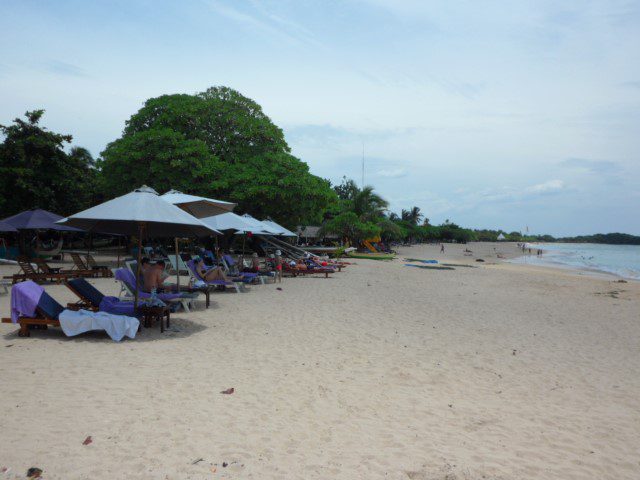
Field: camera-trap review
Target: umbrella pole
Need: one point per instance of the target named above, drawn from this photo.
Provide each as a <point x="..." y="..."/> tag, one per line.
<point x="118" y="251"/>
<point x="135" y="301"/>
<point x="177" y="264"/>
<point x="244" y="237"/>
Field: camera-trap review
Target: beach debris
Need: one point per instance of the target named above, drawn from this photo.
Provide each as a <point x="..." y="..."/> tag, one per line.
<point x="612" y="293"/>
<point x="224" y="464"/>
<point x="228" y="391"/>
<point x="617" y="281"/>
<point x="88" y="440"/>
<point x="479" y="260"/>
<point x="34" y="472"/>
<point x="279" y="288"/>
<point x="10" y="345"/>
<point x="420" y="260"/>
<point x="214" y="469"/>
<point x="429" y="267"/>
<point x="197" y="461"/>
<point x="513" y="352"/>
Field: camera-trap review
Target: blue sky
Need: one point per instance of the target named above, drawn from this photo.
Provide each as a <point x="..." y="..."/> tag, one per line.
<point x="492" y="114"/>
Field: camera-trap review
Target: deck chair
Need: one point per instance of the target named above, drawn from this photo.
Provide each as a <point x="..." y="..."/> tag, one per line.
<point x="218" y="283"/>
<point x="232" y="269"/>
<point x="78" y="262"/>
<point x="294" y="272"/>
<point x="127" y="281"/>
<point x="101" y="270"/>
<point x="83" y="268"/>
<point x="29" y="272"/>
<point x="178" y="266"/>
<point x="47" y="313"/>
<point x="90" y="298"/>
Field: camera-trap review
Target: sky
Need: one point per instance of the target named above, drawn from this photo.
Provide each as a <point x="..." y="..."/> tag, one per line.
<point x="511" y="114"/>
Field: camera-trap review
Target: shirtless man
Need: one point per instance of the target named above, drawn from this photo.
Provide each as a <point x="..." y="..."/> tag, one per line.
<point x="153" y="276"/>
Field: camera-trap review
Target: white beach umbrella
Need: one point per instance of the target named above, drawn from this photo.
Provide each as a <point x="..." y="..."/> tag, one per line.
<point x="228" y="221"/>
<point x="276" y="226"/>
<point x="260" y="227"/>
<point x="199" y="207"/>
<point x="141" y="212"/>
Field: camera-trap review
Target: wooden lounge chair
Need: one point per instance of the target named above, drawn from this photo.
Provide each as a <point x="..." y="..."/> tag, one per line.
<point x="294" y="272"/>
<point x="78" y="262"/>
<point x="90" y="298"/>
<point x="29" y="272"/>
<point x="102" y="270"/>
<point x="47" y="313"/>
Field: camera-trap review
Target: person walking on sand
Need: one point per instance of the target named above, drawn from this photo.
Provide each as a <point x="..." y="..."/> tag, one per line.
<point x="279" y="266"/>
<point x="442" y="248"/>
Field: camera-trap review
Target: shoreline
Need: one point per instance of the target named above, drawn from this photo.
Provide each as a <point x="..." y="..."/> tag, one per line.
<point x="544" y="262"/>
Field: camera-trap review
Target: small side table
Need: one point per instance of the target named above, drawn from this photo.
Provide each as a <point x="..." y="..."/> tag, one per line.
<point x="151" y="314"/>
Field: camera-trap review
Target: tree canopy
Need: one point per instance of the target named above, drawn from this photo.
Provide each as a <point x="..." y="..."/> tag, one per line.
<point x="36" y="172"/>
<point x="220" y="144"/>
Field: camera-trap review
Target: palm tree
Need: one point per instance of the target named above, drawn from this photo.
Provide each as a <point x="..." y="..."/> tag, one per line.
<point x="393" y="216"/>
<point x="368" y="205"/>
<point x="412" y="216"/>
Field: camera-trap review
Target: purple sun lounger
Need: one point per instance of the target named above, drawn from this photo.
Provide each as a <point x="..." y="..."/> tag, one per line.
<point x="221" y="283"/>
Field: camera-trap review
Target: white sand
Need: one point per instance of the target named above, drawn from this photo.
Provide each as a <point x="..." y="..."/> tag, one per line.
<point x="383" y="371"/>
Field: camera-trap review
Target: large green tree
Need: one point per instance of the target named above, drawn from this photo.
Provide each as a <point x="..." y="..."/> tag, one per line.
<point x="217" y="143"/>
<point x="35" y="170"/>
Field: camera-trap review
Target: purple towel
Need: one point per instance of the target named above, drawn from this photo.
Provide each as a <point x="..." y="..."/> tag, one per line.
<point x="24" y="299"/>
<point x="117" y="307"/>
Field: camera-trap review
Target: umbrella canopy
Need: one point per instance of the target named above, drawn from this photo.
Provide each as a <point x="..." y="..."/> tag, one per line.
<point x="259" y="227"/>
<point x="38" y="219"/>
<point x="229" y="221"/>
<point x="7" y="227"/>
<point x="275" y="226"/>
<point x="199" y="207"/>
<point x="142" y="207"/>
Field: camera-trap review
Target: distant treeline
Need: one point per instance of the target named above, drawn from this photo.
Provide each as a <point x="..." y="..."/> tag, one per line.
<point x="609" y="238"/>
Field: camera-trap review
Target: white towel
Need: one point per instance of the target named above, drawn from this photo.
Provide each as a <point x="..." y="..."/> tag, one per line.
<point x="116" y="326"/>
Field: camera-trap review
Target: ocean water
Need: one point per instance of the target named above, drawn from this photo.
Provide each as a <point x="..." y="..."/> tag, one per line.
<point x="621" y="260"/>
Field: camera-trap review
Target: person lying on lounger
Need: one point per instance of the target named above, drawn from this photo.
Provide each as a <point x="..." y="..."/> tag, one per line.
<point x="210" y="274"/>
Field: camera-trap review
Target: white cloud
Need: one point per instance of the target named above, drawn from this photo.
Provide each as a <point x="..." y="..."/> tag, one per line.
<point x="392" y="173"/>
<point x="549" y="186"/>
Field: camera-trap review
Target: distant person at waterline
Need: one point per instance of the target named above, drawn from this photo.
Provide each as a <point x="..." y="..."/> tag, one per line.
<point x="442" y="248"/>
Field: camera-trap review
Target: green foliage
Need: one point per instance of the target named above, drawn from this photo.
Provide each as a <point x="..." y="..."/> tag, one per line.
<point x="35" y="171"/>
<point x="349" y="227"/>
<point x="609" y="238"/>
<point x="219" y="144"/>
<point x="347" y="190"/>
<point x="412" y="216"/>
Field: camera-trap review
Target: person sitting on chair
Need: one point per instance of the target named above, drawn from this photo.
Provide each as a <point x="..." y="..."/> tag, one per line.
<point x="153" y="276"/>
<point x="211" y="274"/>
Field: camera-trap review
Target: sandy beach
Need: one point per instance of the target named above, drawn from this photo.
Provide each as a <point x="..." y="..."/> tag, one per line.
<point x="487" y="371"/>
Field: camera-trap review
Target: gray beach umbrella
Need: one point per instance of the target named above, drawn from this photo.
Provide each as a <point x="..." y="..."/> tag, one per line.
<point x="260" y="227"/>
<point x="228" y="221"/>
<point x="280" y="228"/>
<point x="142" y="208"/>
<point x="142" y="213"/>
<point x="199" y="207"/>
